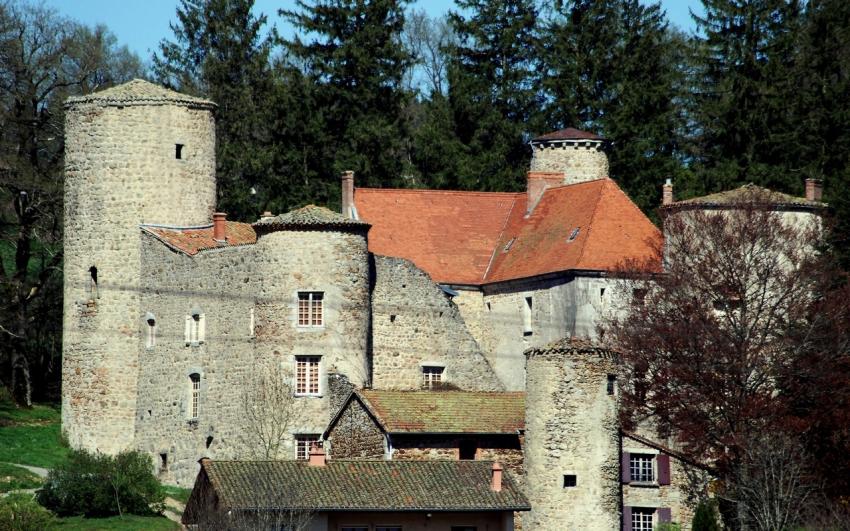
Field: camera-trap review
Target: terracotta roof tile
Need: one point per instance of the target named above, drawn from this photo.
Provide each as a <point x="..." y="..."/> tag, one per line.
<point x="570" y="133"/>
<point x="192" y="240"/>
<point x="447" y="411"/>
<point x="360" y="486"/>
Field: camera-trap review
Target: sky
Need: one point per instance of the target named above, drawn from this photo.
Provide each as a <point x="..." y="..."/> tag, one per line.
<point x="141" y="24"/>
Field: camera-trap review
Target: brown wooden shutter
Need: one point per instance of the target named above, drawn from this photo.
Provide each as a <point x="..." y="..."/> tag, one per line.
<point x="627" y="517"/>
<point x="664" y="514"/>
<point x="663" y="462"/>
<point x="625" y="472"/>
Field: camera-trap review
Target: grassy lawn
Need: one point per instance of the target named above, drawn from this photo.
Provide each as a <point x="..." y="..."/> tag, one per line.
<point x="14" y="478"/>
<point x="117" y="523"/>
<point x="178" y="493"/>
<point x="31" y="436"/>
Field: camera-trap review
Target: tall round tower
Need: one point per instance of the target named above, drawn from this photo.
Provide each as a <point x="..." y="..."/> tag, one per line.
<point x="136" y="153"/>
<point x="572" y="448"/>
<point x="579" y="155"/>
<point x="313" y="308"/>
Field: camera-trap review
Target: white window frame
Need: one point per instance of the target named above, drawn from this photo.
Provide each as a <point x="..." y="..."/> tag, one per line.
<point x="527" y="315"/>
<point x="194" y="409"/>
<point x="251" y="323"/>
<point x="429" y="382"/>
<point x="309" y="373"/>
<point x="312" y="298"/>
<point x="303" y="441"/>
<point x="643" y="518"/>
<point x="638" y="462"/>
<point x="150" y="336"/>
<point x="195" y="329"/>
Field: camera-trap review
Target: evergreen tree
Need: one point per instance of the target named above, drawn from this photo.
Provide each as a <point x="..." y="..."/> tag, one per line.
<point x="613" y="68"/>
<point x="219" y="53"/>
<point x="493" y="91"/>
<point x="744" y="85"/>
<point x="355" y="63"/>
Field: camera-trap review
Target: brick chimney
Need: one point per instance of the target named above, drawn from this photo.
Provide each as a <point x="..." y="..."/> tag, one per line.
<point x="537" y="182"/>
<point x="667" y="193"/>
<point x="814" y="189"/>
<point x="220" y="227"/>
<point x="347" y="179"/>
<point x="496" y="483"/>
<point x="317" y="455"/>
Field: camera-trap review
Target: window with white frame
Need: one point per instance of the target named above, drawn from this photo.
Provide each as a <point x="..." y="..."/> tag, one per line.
<point x="310" y="309"/>
<point x="195" y="328"/>
<point x="641" y="467"/>
<point x="150" y="338"/>
<point x="195" y="395"/>
<point x="303" y="442"/>
<point x="307" y="375"/>
<point x="251" y="324"/>
<point x="642" y="519"/>
<point x="432" y="376"/>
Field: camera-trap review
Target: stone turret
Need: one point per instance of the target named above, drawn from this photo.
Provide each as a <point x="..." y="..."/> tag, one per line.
<point x="579" y="155"/>
<point x="572" y="449"/>
<point x="136" y="153"/>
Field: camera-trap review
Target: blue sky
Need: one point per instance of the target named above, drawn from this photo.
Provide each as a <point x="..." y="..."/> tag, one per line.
<point x="141" y="24"/>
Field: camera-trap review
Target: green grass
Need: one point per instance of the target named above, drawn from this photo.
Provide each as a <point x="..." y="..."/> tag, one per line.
<point x="15" y="478"/>
<point x="178" y="493"/>
<point x="31" y="436"/>
<point x="116" y="523"/>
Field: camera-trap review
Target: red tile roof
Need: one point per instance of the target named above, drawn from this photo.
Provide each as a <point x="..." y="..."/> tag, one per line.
<point x="191" y="240"/>
<point x="462" y="237"/>
<point x="570" y="133"/>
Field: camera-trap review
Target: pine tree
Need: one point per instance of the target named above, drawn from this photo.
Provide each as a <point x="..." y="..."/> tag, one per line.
<point x="219" y="52"/>
<point x="493" y="90"/>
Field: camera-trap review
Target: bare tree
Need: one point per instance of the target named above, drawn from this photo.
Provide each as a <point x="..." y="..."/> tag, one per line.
<point x="268" y="409"/>
<point x="428" y="41"/>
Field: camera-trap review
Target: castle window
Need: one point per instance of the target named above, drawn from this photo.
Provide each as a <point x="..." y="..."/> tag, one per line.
<point x="195" y="329"/>
<point x="93" y="292"/>
<point x="611" y="389"/>
<point x="467" y="450"/>
<point x="195" y="395"/>
<point x="527" y="307"/>
<point x="641" y="468"/>
<point x="307" y="375"/>
<point x="432" y="376"/>
<point x="303" y="442"/>
<point x="163" y="462"/>
<point x="251" y="323"/>
<point x="178" y="151"/>
<point x="310" y="311"/>
<point x="570" y="480"/>
<point x="150" y="341"/>
<point x="642" y="519"/>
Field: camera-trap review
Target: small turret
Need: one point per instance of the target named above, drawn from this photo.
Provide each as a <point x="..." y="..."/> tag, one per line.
<point x="579" y="155"/>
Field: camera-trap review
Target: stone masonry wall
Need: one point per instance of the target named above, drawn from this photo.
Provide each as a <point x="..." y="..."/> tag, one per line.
<point x="579" y="161"/>
<point x="505" y="449"/>
<point x="414" y="322"/>
<point x="120" y="171"/>
<point x="571" y="428"/>
<point x="356" y="435"/>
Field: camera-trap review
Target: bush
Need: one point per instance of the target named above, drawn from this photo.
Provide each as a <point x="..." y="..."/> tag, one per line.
<point x="101" y="485"/>
<point x="20" y="512"/>
<point x="705" y="517"/>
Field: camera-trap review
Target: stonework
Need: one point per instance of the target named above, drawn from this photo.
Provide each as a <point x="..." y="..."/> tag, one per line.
<point x="578" y="160"/>
<point x="356" y="435"/>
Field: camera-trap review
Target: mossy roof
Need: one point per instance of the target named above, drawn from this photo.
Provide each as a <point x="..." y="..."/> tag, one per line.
<point x="139" y="92"/>
<point x="748" y="193"/>
<point x="310" y="217"/>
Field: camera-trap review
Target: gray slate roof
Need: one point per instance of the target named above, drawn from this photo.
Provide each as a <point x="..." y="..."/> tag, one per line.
<point x="310" y="217"/>
<point x="343" y="485"/>
<point x="139" y="92"/>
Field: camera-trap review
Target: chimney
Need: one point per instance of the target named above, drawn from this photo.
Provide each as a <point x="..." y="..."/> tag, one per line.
<point x="317" y="455"/>
<point x="536" y="183"/>
<point x="667" y="193"/>
<point x="347" y="179"/>
<point x="220" y="227"/>
<point x="814" y="189"/>
<point x="496" y="483"/>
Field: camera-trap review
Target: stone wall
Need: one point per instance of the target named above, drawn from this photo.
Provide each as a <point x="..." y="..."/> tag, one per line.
<point x="571" y="428"/>
<point x="413" y="323"/>
<point x="580" y="161"/>
<point x="120" y="171"/>
<point x="355" y="435"/>
<point x="505" y="449"/>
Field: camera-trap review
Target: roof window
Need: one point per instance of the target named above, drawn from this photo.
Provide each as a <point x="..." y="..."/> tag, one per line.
<point x="573" y="234"/>
<point x="509" y="245"/>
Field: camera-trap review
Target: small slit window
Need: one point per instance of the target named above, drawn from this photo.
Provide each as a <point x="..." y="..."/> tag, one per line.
<point x="150" y="322"/>
<point x="93" y="292"/>
<point x="573" y="234"/>
<point x="570" y="480"/>
<point x="611" y="387"/>
<point x="178" y="151"/>
<point x="195" y="328"/>
<point x="526" y="321"/>
<point x="251" y="324"/>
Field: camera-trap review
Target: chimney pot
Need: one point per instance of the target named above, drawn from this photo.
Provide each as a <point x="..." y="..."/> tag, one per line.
<point x="496" y="482"/>
<point x="814" y="189"/>
<point x="667" y="193"/>
<point x="347" y="179"/>
<point x="220" y="227"/>
<point x="317" y="455"/>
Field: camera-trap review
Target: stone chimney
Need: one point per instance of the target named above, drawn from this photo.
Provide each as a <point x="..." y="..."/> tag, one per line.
<point x="496" y="477"/>
<point x="578" y="155"/>
<point x="317" y="455"/>
<point x="814" y="189"/>
<point x="347" y="179"/>
<point x="667" y="193"/>
<point x="537" y="182"/>
<point x="220" y="227"/>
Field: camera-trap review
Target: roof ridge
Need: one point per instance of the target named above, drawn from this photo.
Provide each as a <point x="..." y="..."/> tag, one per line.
<point x="435" y="191"/>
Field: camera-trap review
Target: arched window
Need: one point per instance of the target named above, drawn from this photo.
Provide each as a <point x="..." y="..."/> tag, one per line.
<point x="194" y="395"/>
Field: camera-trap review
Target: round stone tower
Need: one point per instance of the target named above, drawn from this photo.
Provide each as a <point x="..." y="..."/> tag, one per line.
<point x="579" y="155"/>
<point x="572" y="449"/>
<point x="313" y="308"/>
<point x="136" y="153"/>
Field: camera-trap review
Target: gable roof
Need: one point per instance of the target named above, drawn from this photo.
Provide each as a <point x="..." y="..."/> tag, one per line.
<point x="669" y="451"/>
<point x="360" y="485"/>
<point x="460" y="237"/>
<point x="192" y="240"/>
<point x="569" y="133"/>
<point x="139" y="92"/>
<point x="446" y="412"/>
<point x="747" y="193"/>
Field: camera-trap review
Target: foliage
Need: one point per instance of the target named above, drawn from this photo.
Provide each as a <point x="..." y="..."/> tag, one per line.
<point x="127" y="522"/>
<point x="705" y="517"/>
<point x="92" y="484"/>
<point x="20" y="512"/>
<point x="267" y="411"/>
<point x="13" y="477"/>
<point x="667" y="526"/>
<point x="178" y="493"/>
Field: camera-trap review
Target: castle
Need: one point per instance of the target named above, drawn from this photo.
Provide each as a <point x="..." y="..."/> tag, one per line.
<point x="169" y="307"/>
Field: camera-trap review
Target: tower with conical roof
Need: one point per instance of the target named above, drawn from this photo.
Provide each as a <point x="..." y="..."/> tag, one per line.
<point x="578" y="155"/>
<point x="136" y="153"/>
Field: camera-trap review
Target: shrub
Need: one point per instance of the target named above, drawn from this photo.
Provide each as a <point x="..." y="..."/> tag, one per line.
<point x="705" y="517"/>
<point x="20" y="512"/>
<point x="93" y="484"/>
<point x="668" y="526"/>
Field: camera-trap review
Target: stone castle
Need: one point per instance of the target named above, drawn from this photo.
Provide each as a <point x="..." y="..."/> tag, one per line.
<point x="169" y="307"/>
